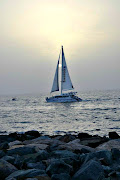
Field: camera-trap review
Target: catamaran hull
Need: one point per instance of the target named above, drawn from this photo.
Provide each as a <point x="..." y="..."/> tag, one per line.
<point x="63" y="99"/>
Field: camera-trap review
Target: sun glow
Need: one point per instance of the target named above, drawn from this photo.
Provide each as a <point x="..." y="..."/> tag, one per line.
<point x="41" y="25"/>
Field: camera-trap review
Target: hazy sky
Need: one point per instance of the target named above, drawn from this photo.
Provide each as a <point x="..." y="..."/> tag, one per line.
<point x="31" y="35"/>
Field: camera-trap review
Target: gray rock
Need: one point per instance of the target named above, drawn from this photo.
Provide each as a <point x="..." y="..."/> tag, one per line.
<point x="42" y="155"/>
<point x="4" y="146"/>
<point x="107" y="170"/>
<point x="109" y="145"/>
<point x="106" y="155"/>
<point x="37" y="165"/>
<point x="57" y="167"/>
<point x="113" y="135"/>
<point x="64" y="154"/>
<point x="6" y="169"/>
<point x="90" y="171"/>
<point x="2" y="153"/>
<point x="115" y="153"/>
<point x="15" y="143"/>
<point x="62" y="176"/>
<point x="74" y="146"/>
<point x="33" y="133"/>
<point x="9" y="159"/>
<point x="21" y="151"/>
<point x="30" y="173"/>
<point x="19" y="161"/>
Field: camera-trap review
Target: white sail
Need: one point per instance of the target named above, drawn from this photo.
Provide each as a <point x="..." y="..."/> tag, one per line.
<point x="66" y="83"/>
<point x="55" y="86"/>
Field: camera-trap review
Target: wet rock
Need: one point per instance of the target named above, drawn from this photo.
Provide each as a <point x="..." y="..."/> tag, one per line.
<point x="22" y="174"/>
<point x="18" y="136"/>
<point x="92" y="170"/>
<point x="4" y="146"/>
<point x="21" y="151"/>
<point x="62" y="176"/>
<point x="66" y="138"/>
<point x="6" y="169"/>
<point x="84" y="136"/>
<point x="2" y="153"/>
<point x="109" y="145"/>
<point x="57" y="167"/>
<point x="33" y="133"/>
<point x="113" y="135"/>
<point x="6" y="138"/>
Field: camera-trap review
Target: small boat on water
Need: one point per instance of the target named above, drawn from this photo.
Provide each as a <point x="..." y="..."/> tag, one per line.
<point x="62" y="82"/>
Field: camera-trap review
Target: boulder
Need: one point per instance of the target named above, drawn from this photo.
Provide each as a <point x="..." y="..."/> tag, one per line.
<point x="84" y="136"/>
<point x="109" y="145"/>
<point x="13" y="143"/>
<point x="33" y="133"/>
<point x="48" y="141"/>
<point x="21" y="150"/>
<point x="105" y="155"/>
<point x="19" y="161"/>
<point x="115" y="153"/>
<point x="38" y="147"/>
<point x="4" y="146"/>
<point x="36" y="157"/>
<point x="113" y="135"/>
<point x="9" y="159"/>
<point x="37" y="165"/>
<point x="61" y="176"/>
<point x="93" y="141"/>
<point x="2" y="153"/>
<point x="107" y="170"/>
<point x="92" y="170"/>
<point x="75" y="146"/>
<point x="64" y="154"/>
<point x="66" y="138"/>
<point x="6" y="138"/>
<point x="6" y="169"/>
<point x="57" y="167"/>
<point x="23" y="174"/>
<point x="43" y="177"/>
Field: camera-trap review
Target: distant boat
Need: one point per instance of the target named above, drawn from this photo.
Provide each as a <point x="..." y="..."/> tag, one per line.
<point x="64" y="84"/>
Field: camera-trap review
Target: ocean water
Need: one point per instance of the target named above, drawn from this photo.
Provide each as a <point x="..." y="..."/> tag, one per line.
<point x="98" y="113"/>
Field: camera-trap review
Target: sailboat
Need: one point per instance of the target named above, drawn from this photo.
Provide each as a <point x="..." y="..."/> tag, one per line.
<point x="65" y="83"/>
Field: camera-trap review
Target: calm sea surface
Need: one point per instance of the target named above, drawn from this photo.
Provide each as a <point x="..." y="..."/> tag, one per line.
<point x="98" y="113"/>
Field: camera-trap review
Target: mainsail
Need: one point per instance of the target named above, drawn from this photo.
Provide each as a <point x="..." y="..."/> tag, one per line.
<point x="66" y="83"/>
<point x="55" y="86"/>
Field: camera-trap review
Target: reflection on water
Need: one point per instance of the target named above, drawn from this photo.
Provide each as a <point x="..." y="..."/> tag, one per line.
<point x="99" y="112"/>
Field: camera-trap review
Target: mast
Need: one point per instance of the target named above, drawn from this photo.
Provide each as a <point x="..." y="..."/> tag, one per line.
<point x="61" y="68"/>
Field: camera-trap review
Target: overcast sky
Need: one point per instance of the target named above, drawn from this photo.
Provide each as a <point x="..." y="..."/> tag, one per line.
<point x="31" y="35"/>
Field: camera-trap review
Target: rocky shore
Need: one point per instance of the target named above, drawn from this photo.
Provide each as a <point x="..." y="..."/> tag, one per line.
<point x="33" y="156"/>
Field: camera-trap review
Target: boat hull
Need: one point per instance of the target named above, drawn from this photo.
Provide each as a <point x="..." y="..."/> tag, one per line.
<point x="63" y="99"/>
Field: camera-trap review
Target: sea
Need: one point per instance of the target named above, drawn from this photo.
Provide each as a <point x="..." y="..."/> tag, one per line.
<point x="97" y="114"/>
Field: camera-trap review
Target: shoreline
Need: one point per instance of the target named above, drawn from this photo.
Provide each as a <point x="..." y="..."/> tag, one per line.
<point x="59" y="157"/>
